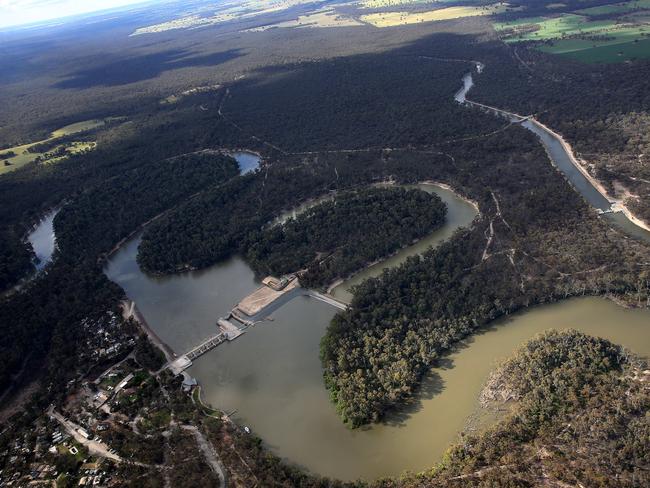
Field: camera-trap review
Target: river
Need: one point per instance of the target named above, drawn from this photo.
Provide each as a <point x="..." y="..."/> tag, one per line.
<point x="559" y="153"/>
<point x="272" y="374"/>
<point x="460" y="213"/>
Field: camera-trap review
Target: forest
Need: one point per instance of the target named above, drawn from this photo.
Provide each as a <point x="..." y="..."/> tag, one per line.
<point x="35" y="189"/>
<point x="601" y="111"/>
<point x="320" y="131"/>
<point x="371" y="102"/>
<point x="35" y="322"/>
<point x="570" y="409"/>
<point x="334" y="239"/>
<point x="101" y="217"/>
<point x="398" y="324"/>
<point x="219" y="222"/>
<point x="575" y="416"/>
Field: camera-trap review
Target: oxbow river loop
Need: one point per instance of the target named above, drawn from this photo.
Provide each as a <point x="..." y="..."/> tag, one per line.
<point x="272" y="374"/>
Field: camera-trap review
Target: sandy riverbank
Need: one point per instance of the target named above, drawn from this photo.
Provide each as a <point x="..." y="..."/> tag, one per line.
<point x="130" y="310"/>
<point x="445" y="186"/>
<point x="618" y="205"/>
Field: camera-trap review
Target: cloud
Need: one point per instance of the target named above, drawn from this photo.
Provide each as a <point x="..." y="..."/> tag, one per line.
<point x="17" y="12"/>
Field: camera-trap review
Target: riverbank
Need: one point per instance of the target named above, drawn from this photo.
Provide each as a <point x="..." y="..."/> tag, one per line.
<point x="447" y="187"/>
<point x="616" y="205"/>
<point x="130" y="311"/>
<point x="462" y="212"/>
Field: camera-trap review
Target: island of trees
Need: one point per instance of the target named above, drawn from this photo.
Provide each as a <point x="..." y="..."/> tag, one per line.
<point x="336" y="238"/>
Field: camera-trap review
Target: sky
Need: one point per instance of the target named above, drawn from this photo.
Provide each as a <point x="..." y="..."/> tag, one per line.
<point x="18" y="12"/>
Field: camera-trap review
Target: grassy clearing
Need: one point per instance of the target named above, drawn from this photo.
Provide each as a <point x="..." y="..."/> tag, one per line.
<point x="175" y="98"/>
<point x="619" y="36"/>
<point x="76" y="147"/>
<point x="77" y="127"/>
<point x="540" y="28"/>
<point x="391" y="19"/>
<point x="22" y="154"/>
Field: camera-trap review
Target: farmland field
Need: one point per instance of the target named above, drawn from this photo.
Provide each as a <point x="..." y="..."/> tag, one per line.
<point x="391" y="19"/>
<point x="607" y="53"/>
<point x="390" y="3"/>
<point x="221" y="13"/>
<point x="615" y="8"/>
<point x="622" y="36"/>
<point x="318" y="19"/>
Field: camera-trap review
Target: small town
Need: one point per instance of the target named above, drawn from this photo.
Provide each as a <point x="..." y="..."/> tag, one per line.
<point x="125" y="413"/>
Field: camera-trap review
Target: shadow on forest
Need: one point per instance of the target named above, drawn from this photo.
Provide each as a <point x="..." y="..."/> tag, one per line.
<point x="432" y="383"/>
<point x="140" y="68"/>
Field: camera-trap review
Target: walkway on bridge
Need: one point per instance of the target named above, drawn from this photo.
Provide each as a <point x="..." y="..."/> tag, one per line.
<point x="185" y="361"/>
<point x="329" y="299"/>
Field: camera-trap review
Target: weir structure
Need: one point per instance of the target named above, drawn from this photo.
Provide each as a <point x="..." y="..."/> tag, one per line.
<point x="252" y="309"/>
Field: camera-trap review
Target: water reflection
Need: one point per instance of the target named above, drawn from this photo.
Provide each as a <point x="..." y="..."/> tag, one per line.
<point x="248" y="161"/>
<point x="43" y="240"/>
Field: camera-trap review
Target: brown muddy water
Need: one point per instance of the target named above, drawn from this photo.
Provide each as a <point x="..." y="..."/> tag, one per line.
<point x="272" y="374"/>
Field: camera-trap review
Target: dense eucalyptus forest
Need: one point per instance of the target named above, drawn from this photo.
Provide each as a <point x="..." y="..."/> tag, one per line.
<point x="600" y="110"/>
<point x="334" y="239"/>
<point x="222" y="220"/>
<point x="575" y="415"/>
<point x="74" y="285"/>
<point x="375" y="353"/>
<point x="338" y="126"/>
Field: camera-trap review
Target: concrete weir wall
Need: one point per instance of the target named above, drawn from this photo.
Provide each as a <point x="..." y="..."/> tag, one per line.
<point x="254" y="308"/>
<point x="265" y="300"/>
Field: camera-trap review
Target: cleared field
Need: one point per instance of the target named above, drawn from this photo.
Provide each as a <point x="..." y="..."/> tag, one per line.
<point x="391" y="3"/>
<point x="77" y="127"/>
<point x="226" y="12"/>
<point x="615" y="8"/>
<point x="541" y="28"/>
<point x="171" y="99"/>
<point x="614" y="53"/>
<point x="320" y="19"/>
<point x="74" y="148"/>
<point x="22" y="154"/>
<point x="610" y="40"/>
<point x="391" y="19"/>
